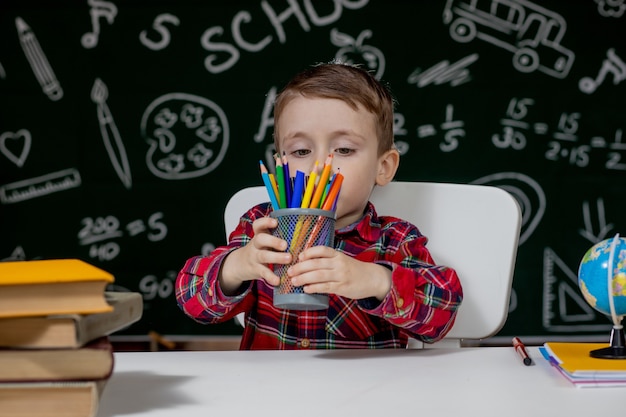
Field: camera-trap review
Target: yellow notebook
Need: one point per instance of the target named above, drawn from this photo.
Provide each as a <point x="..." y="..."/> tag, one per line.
<point x="574" y="358"/>
<point x="57" y="286"/>
<point x="49" y="271"/>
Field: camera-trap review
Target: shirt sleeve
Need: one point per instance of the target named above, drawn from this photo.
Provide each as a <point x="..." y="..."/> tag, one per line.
<point x="197" y="288"/>
<point x="424" y="297"/>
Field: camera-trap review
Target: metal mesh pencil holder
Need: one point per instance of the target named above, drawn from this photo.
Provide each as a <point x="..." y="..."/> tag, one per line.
<point x="301" y="228"/>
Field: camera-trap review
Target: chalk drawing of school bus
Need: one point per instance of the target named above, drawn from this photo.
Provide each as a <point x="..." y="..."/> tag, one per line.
<point x="532" y="33"/>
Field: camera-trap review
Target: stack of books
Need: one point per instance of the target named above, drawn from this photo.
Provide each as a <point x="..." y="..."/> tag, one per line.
<point x="55" y="320"/>
<point x="572" y="360"/>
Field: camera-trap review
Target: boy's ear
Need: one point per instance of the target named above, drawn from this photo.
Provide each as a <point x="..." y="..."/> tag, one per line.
<point x="387" y="166"/>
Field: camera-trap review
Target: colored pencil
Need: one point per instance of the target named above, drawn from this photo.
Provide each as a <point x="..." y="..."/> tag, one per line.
<point x="268" y="185"/>
<point x="330" y="181"/>
<point x="288" y="187"/>
<point x="280" y="183"/>
<point x="308" y="192"/>
<point x="323" y="180"/>
<point x="274" y="186"/>
<point x="333" y="193"/>
<point x="319" y="190"/>
<point x="298" y="190"/>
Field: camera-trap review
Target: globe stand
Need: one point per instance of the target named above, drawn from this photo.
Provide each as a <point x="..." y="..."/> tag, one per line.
<point x="617" y="350"/>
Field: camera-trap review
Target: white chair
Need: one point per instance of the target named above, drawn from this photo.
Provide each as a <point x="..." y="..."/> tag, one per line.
<point x="471" y="228"/>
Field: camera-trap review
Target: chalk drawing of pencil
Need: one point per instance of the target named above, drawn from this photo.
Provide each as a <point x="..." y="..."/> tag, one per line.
<point x="110" y="135"/>
<point x="38" y="61"/>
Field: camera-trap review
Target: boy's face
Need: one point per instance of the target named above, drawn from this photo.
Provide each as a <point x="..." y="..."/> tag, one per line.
<point x="312" y="128"/>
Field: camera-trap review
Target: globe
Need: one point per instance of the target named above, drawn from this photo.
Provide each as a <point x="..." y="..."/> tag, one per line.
<point x="602" y="281"/>
<point x="593" y="277"/>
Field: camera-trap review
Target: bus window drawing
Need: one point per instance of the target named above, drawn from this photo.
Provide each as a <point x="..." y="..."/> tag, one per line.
<point x="532" y="33"/>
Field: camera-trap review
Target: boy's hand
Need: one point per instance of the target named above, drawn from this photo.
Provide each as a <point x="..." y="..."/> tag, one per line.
<point x="251" y="261"/>
<point x="322" y="269"/>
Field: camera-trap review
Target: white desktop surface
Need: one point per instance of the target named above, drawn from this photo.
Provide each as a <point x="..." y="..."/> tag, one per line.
<point x="484" y="381"/>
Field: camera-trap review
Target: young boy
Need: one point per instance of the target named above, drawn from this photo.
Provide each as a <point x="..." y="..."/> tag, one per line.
<point x="382" y="283"/>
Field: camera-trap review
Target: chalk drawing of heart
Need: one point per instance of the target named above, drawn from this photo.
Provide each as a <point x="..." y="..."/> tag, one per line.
<point x="23" y="136"/>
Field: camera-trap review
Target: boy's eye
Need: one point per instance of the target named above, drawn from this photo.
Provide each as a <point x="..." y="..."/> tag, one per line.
<point x="343" y="151"/>
<point x="301" y="152"/>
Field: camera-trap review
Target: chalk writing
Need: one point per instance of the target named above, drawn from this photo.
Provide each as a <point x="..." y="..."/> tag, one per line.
<point x="19" y="152"/>
<point x="100" y="233"/>
<point x="216" y="63"/>
<point x="513" y="125"/>
<point x="110" y="134"/>
<point x="98" y="9"/>
<point x="611" y="8"/>
<point x="603" y="228"/>
<point x="38" y="61"/>
<point x="207" y="248"/>
<point x="187" y="136"/>
<point x="453" y="130"/>
<point x="18" y="254"/>
<point x="532" y="33"/>
<point x="613" y="65"/>
<point x="162" y="30"/>
<point x="564" y="308"/>
<point x="355" y="51"/>
<point x="528" y="193"/>
<point x="39" y="186"/>
<point x="151" y="287"/>
<point x="267" y="120"/>
<point x="444" y="72"/>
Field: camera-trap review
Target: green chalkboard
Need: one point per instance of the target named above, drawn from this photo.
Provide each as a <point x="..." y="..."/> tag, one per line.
<point x="125" y="126"/>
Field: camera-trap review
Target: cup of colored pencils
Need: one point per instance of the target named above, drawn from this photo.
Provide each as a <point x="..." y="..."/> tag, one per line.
<point x="305" y="209"/>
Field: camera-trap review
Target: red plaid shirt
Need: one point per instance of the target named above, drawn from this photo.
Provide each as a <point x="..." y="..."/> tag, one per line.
<point x="421" y="304"/>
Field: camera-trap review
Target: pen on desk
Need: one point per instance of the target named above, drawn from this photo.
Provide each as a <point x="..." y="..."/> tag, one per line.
<point x="521" y="350"/>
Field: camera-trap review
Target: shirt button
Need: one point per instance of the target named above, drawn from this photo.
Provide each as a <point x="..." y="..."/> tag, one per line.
<point x="210" y="292"/>
<point x="305" y="343"/>
<point x="400" y="302"/>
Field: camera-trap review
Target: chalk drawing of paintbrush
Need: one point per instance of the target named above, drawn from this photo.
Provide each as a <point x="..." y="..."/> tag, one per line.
<point x="110" y="135"/>
<point x="38" y="61"/>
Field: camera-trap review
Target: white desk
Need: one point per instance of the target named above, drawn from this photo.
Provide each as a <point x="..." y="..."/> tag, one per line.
<point x="486" y="381"/>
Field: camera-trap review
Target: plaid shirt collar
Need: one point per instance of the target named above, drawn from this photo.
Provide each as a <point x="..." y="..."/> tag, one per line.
<point x="368" y="228"/>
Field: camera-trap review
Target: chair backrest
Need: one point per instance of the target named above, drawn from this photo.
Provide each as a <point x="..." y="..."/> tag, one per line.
<point x="471" y="228"/>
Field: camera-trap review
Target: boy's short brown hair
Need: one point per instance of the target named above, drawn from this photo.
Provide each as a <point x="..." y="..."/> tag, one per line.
<point x="347" y="83"/>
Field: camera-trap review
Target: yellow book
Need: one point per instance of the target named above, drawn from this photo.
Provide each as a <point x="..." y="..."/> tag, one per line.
<point x="574" y="358"/>
<point x="57" y="286"/>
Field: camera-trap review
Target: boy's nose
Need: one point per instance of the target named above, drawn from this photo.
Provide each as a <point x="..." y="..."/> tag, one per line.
<point x="322" y="158"/>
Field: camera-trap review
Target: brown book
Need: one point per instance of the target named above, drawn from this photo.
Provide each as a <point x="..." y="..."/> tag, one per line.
<point x="57" y="286"/>
<point x="51" y="399"/>
<point x="74" y="330"/>
<point x="91" y="362"/>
